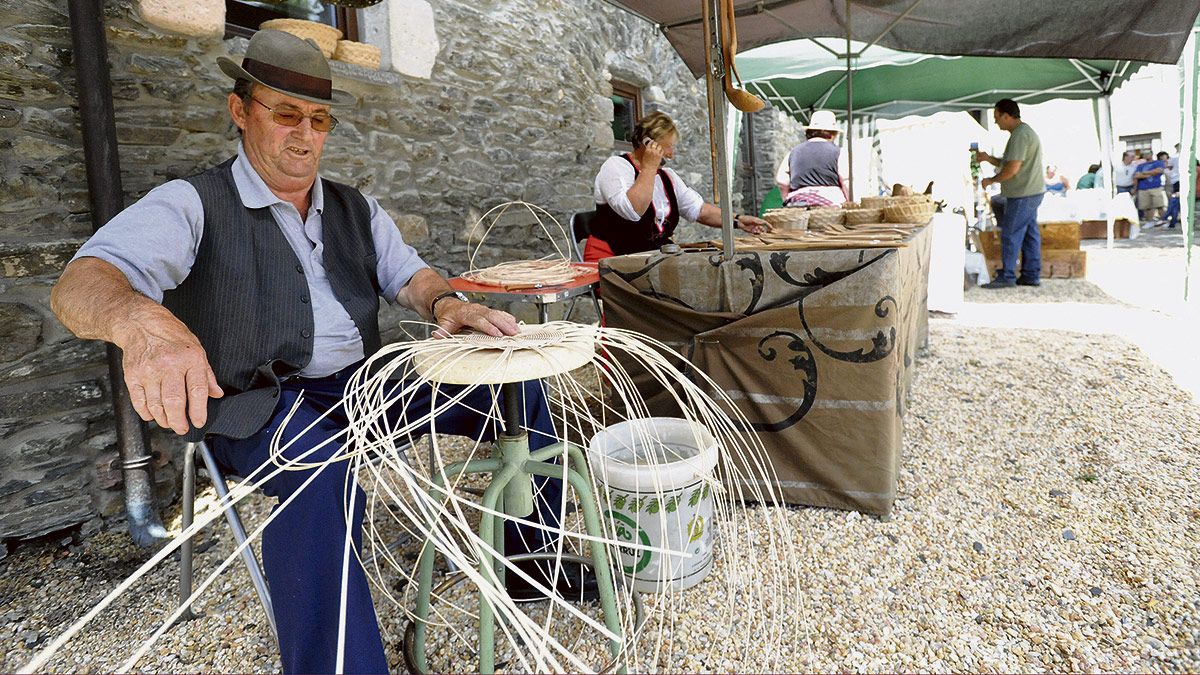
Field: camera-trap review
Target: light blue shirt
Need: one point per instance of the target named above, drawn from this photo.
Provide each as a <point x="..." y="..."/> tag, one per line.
<point x="155" y="240"/>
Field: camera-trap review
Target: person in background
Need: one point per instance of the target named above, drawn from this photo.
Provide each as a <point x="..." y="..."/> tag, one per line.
<point x="1172" y="214"/>
<point x="1022" y="186"/>
<point x="1151" y="197"/>
<point x="1090" y="179"/>
<point x="1124" y="173"/>
<point x="639" y="201"/>
<point x="1056" y="183"/>
<point x="814" y="172"/>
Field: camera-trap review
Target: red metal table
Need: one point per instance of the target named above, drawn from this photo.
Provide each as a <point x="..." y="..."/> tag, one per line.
<point x="542" y="296"/>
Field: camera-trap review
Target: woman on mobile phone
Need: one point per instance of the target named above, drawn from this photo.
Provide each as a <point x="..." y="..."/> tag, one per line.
<point x="639" y="201"/>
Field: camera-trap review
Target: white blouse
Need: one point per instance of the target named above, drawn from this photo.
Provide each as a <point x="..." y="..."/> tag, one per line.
<point x="616" y="177"/>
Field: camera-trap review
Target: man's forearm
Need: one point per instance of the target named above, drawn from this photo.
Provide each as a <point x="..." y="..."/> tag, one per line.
<point x="424" y="286"/>
<point x="94" y="300"/>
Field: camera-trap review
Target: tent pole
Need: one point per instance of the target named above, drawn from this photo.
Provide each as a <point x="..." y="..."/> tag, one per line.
<point x="719" y="109"/>
<point x="1104" y="122"/>
<point x="1187" y="172"/>
<point x="849" y="106"/>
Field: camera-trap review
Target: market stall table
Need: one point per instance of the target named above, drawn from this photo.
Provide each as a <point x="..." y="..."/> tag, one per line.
<point x="814" y="339"/>
<point x="540" y="295"/>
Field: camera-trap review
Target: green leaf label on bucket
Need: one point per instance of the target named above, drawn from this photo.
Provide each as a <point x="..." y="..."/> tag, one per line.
<point x="695" y="528"/>
<point x="626" y="530"/>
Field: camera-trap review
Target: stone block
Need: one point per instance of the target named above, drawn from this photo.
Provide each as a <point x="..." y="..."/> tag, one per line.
<point x="41" y="519"/>
<point x="9" y="118"/>
<point x="20" y="330"/>
<point x="414" y="228"/>
<point x="412" y="37"/>
<point x="58" y="398"/>
<point x="28" y="260"/>
<point x="198" y="18"/>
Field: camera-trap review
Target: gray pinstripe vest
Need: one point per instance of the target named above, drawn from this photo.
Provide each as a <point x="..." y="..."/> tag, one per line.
<point x="246" y="297"/>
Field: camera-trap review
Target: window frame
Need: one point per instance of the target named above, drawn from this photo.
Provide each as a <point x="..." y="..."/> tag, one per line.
<point x="627" y="90"/>
<point x="346" y="19"/>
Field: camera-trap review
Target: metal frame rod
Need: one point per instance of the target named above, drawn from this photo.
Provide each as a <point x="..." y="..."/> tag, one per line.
<point x="106" y="199"/>
<point x="849" y="104"/>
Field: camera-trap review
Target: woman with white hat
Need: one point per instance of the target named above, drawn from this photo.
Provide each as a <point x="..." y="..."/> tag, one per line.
<point x="813" y="172"/>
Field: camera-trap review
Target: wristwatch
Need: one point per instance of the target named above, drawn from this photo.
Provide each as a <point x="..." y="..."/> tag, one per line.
<point x="448" y="294"/>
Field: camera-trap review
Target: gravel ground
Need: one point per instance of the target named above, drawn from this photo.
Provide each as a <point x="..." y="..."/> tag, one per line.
<point x="1051" y="290"/>
<point x="1048" y="522"/>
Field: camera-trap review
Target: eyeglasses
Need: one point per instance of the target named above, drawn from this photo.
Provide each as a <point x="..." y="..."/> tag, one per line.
<point x="321" y="121"/>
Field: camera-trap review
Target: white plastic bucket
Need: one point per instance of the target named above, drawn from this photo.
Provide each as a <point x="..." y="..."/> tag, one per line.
<point x="658" y="478"/>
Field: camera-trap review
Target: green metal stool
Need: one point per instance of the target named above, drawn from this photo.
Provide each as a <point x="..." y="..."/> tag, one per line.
<point x="511" y="466"/>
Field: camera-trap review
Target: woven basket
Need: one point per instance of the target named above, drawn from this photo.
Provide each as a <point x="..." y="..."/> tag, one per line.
<point x="358" y="53"/>
<point x="325" y="36"/>
<point x="787" y="219"/>
<point x="912" y="212"/>
<point x="874" y="202"/>
<point x="863" y="216"/>
<point x="819" y="219"/>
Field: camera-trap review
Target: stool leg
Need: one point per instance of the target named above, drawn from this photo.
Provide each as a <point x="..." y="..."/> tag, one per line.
<point x="239" y="534"/>
<point x="591" y="520"/>
<point x="491" y="528"/>
<point x="426" y="560"/>
<point x="189" y="507"/>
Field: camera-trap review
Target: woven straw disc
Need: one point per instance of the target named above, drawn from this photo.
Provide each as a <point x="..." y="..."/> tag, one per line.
<point x="534" y="353"/>
<point x="325" y="36"/>
<point x="358" y="53"/>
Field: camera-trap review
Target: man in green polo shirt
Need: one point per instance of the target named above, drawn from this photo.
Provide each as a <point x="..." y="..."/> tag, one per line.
<point x="1021" y="185"/>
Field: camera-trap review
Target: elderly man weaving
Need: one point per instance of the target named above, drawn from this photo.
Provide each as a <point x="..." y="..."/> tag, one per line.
<point x="236" y="292"/>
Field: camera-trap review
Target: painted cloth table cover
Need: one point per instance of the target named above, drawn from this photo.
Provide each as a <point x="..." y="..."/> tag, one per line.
<point x="816" y="347"/>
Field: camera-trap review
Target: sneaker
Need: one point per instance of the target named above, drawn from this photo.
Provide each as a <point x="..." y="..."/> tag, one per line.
<point x="1022" y="281"/>
<point x="576" y="582"/>
<point x="998" y="283"/>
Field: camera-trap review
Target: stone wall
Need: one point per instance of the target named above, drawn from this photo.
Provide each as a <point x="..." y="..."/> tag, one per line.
<point x="515" y="107"/>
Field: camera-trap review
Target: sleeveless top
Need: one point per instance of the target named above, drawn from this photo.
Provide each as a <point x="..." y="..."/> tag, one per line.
<point x="629" y="236"/>
<point x="246" y="298"/>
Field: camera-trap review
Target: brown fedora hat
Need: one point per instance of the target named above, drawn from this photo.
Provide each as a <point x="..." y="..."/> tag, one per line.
<point x="289" y="65"/>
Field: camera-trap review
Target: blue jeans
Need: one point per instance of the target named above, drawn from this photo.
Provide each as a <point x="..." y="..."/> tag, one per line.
<point x="1172" y="214"/>
<point x="303" y="546"/>
<point x="1019" y="234"/>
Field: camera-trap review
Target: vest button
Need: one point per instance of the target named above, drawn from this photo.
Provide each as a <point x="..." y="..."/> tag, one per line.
<point x="305" y="333"/>
<point x="304" y="299"/>
<point x="300" y="269"/>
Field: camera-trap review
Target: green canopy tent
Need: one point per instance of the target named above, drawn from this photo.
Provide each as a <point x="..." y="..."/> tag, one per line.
<point x="800" y="76"/>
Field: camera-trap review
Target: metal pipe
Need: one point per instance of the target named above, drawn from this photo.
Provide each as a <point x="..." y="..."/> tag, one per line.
<point x="720" y="126"/>
<point x="105" y="199"/>
<point x="849" y="105"/>
<point x="750" y="153"/>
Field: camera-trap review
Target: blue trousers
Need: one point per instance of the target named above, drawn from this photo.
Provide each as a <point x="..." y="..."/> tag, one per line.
<point x="303" y="546"/>
<point x="1019" y="235"/>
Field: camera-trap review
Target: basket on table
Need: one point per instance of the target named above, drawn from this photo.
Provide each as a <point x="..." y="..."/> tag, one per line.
<point x="863" y="216"/>
<point x="874" y="202"/>
<point x="824" y="218"/>
<point x="325" y="36"/>
<point x="918" y="212"/>
<point x="787" y="218"/>
<point x="358" y="53"/>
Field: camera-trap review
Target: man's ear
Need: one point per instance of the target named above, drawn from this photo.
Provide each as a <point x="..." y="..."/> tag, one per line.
<point x="237" y="110"/>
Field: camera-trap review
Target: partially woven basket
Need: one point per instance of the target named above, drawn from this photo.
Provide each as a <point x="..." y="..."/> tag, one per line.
<point x="910" y="212"/>
<point x="787" y="218"/>
<point x="863" y="216"/>
<point x="358" y="53"/>
<point x="822" y="218"/>
<point x="325" y="36"/>
<point x="874" y="202"/>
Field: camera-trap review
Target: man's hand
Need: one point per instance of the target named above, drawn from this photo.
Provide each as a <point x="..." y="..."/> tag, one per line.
<point x="986" y="182"/>
<point x="753" y="225"/>
<point x="167" y="373"/>
<point x="454" y="315"/>
<point x="981" y="156"/>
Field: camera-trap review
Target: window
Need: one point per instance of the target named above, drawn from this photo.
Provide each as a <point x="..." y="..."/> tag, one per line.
<point x="627" y="111"/>
<point x="1142" y="143"/>
<point x="242" y="17"/>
